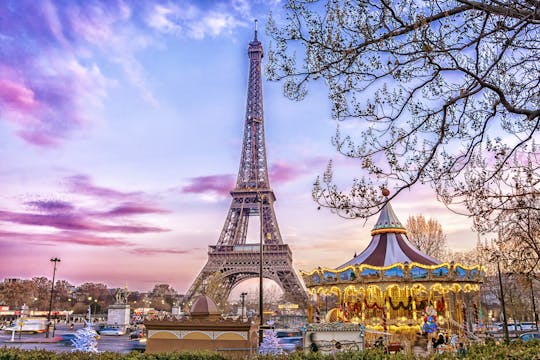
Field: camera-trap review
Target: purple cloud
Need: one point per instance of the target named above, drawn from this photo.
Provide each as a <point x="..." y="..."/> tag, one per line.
<point x="64" y="237"/>
<point x="153" y="251"/>
<point x="217" y="184"/>
<point x="50" y="205"/>
<point x="72" y="222"/>
<point x="17" y="96"/>
<point x="281" y="172"/>
<point x="133" y="209"/>
<point x="47" y="64"/>
<point x="82" y="184"/>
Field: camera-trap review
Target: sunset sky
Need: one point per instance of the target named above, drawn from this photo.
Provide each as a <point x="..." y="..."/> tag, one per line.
<point x="120" y="135"/>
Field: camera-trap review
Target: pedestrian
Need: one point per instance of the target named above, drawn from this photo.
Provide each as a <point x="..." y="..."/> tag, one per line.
<point x="379" y="343"/>
<point x="462" y="352"/>
<point x="440" y="340"/>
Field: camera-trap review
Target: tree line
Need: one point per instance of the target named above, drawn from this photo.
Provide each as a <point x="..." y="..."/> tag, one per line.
<point x="35" y="293"/>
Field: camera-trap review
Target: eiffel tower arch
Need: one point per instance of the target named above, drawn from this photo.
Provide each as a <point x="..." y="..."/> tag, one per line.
<point x="232" y="260"/>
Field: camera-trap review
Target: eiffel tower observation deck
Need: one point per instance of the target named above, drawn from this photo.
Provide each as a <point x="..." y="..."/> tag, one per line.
<point x="232" y="260"/>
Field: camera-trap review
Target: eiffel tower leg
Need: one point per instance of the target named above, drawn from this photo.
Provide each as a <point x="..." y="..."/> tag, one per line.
<point x="195" y="288"/>
<point x="292" y="287"/>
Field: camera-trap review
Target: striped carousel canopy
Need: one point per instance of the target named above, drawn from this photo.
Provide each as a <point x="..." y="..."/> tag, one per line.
<point x="389" y="244"/>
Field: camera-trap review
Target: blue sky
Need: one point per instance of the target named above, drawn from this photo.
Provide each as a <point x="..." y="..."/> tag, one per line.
<point x="120" y="135"/>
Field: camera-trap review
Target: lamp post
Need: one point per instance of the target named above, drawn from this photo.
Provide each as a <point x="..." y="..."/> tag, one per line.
<point x="261" y="249"/>
<point x="243" y="297"/>
<point x="92" y="311"/>
<point x="505" y="323"/>
<point x="531" y="277"/>
<point x="53" y="260"/>
<point x="21" y="319"/>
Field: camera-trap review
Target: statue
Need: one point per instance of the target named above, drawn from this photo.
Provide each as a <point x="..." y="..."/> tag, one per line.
<point x="122" y="296"/>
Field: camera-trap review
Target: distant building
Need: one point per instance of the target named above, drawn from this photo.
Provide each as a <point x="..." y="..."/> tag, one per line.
<point x="12" y="280"/>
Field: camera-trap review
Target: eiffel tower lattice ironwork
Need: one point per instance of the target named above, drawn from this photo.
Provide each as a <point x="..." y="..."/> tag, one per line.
<point x="233" y="260"/>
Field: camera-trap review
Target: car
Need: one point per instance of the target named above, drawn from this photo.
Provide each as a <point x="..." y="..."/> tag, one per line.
<point x="136" y="334"/>
<point x="288" y="333"/>
<point x="530" y="336"/>
<point x="66" y="338"/>
<point x="111" y="331"/>
<point x="137" y="345"/>
<point x="528" y="326"/>
<point x="290" y="344"/>
<point x="511" y="327"/>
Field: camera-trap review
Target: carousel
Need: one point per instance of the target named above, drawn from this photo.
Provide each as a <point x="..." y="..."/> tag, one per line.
<point x="393" y="288"/>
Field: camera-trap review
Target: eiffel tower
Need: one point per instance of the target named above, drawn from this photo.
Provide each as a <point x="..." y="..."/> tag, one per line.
<point x="233" y="260"/>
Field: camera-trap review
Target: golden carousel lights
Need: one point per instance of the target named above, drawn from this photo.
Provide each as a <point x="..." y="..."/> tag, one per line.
<point x="393" y="287"/>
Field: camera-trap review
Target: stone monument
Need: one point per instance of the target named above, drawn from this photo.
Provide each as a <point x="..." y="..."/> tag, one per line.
<point x="176" y="309"/>
<point x="118" y="314"/>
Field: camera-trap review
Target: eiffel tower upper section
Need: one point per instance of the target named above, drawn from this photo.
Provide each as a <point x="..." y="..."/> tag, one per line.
<point x="253" y="172"/>
<point x="252" y="184"/>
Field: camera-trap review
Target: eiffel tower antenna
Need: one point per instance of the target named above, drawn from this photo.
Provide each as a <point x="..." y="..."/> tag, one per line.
<point x="232" y="259"/>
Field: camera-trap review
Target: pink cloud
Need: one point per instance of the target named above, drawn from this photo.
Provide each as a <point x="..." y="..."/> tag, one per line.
<point x="15" y="96"/>
<point x="63" y="237"/>
<point x="133" y="209"/>
<point x="49" y="74"/>
<point x="218" y="184"/>
<point x="82" y="184"/>
<point x="279" y="172"/>
<point x="50" y="205"/>
<point x="39" y="139"/>
<point x="282" y="172"/>
<point x="154" y="251"/>
<point x="72" y="222"/>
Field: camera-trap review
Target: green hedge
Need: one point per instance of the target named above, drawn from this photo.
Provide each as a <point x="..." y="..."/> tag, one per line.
<point x="517" y="351"/>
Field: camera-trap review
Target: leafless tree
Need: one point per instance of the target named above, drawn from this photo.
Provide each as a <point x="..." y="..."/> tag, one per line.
<point x="427" y="235"/>
<point x="436" y="87"/>
<point x="509" y="205"/>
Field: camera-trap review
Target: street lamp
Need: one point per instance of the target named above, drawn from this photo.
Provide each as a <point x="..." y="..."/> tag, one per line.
<point x="95" y="308"/>
<point x="496" y="257"/>
<point x="531" y="278"/>
<point x="260" y="199"/>
<point x="53" y="260"/>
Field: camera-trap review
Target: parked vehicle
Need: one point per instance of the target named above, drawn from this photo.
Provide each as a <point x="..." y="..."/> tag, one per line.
<point x="28" y="325"/>
<point x="530" y="336"/>
<point x="66" y="338"/>
<point x="511" y="327"/>
<point x="111" y="331"/>
<point x="280" y="333"/>
<point x="528" y="326"/>
<point x="524" y="326"/>
<point x="290" y="344"/>
<point x="136" y="334"/>
<point x="137" y="345"/>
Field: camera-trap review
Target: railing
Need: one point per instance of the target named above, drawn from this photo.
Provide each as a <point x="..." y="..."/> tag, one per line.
<point x="248" y="248"/>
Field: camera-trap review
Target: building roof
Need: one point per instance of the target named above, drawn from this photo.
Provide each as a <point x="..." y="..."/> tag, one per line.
<point x="204" y="307"/>
<point x="389" y="244"/>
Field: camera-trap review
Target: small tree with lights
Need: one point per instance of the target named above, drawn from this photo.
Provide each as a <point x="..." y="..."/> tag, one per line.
<point x="270" y="344"/>
<point x="85" y="338"/>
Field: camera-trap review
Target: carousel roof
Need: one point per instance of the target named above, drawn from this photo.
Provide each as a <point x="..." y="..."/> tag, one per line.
<point x="389" y="244"/>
